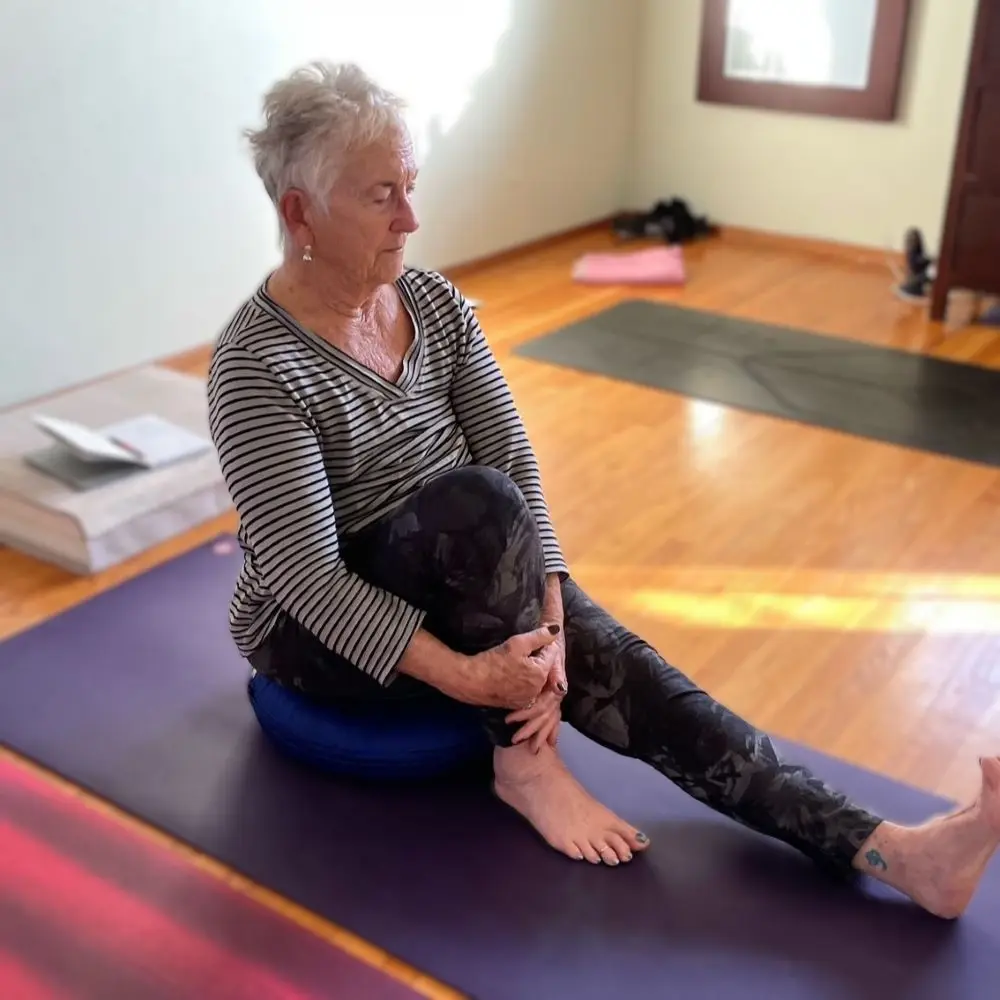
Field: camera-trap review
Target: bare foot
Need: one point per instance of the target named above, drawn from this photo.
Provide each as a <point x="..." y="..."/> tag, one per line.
<point x="939" y="864"/>
<point x="542" y="790"/>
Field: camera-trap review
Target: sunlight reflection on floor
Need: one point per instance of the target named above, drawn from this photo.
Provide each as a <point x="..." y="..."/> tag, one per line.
<point x="935" y="604"/>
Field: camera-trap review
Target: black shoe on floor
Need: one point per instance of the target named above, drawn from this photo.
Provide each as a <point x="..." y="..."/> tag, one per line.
<point x="917" y="261"/>
<point x="914" y="289"/>
<point x="670" y="221"/>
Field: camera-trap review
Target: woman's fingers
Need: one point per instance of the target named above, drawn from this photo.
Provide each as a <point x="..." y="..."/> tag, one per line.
<point x="557" y="675"/>
<point x="554" y="658"/>
<point x="532" y="643"/>
<point x="537" y="723"/>
<point x="558" y="681"/>
<point x="530" y="728"/>
<point x="524" y="714"/>
<point x="548" y="733"/>
<point x="544" y="703"/>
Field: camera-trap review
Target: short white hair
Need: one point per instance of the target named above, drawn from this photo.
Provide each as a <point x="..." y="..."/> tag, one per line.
<point x="312" y="119"/>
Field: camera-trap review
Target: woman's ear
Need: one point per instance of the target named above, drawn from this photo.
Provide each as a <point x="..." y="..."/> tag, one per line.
<point x="294" y="209"/>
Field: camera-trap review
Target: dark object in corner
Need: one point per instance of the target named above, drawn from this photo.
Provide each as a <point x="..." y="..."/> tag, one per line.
<point x="916" y="283"/>
<point x="670" y="221"/>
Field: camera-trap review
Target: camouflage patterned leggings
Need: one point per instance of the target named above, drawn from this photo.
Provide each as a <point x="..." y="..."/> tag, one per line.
<point x="465" y="548"/>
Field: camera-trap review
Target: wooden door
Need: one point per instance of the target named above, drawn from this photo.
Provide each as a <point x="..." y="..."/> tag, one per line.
<point x="970" y="248"/>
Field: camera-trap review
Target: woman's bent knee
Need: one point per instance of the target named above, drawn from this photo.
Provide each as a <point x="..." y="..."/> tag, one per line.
<point x="477" y="493"/>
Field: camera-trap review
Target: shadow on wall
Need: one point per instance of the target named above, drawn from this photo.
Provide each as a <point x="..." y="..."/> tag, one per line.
<point x="544" y="141"/>
<point x="134" y="223"/>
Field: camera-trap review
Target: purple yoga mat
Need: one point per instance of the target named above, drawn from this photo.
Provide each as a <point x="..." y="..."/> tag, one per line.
<point x="139" y="696"/>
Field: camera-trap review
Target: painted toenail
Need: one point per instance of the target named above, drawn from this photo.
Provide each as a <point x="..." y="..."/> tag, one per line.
<point x="642" y="838"/>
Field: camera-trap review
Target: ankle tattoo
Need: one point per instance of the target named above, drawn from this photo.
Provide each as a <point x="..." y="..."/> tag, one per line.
<point x="875" y="860"/>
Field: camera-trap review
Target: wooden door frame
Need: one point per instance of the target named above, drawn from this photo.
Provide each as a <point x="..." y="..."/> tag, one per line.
<point x="949" y="237"/>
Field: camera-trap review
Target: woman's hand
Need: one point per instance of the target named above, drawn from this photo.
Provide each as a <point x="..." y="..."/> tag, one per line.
<point x="511" y="675"/>
<point x="541" y="721"/>
<point x="555" y="653"/>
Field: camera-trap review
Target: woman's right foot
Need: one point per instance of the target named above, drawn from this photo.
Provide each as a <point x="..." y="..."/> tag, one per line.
<point x="940" y="863"/>
<point x="541" y="789"/>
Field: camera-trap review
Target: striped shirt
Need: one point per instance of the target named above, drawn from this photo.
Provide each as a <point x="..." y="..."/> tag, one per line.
<point x="313" y="446"/>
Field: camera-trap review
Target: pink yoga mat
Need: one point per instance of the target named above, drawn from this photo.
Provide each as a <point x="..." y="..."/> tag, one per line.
<point x="656" y="266"/>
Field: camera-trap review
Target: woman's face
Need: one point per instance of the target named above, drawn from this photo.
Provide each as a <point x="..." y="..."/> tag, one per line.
<point x="369" y="214"/>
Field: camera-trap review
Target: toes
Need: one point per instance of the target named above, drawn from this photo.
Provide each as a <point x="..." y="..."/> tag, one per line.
<point x="608" y="855"/>
<point x="619" y="845"/>
<point x="636" y="841"/>
<point x="991" y="771"/>
<point x="612" y="849"/>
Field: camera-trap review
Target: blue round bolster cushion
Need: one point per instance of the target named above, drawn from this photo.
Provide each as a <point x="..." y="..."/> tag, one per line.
<point x="379" y="740"/>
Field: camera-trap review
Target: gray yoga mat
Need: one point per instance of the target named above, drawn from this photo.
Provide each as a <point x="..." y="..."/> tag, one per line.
<point x="877" y="393"/>
<point x="139" y="696"/>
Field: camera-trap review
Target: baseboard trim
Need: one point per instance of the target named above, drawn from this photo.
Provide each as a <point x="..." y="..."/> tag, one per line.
<point x="860" y="255"/>
<point x="476" y="264"/>
<point x="849" y="253"/>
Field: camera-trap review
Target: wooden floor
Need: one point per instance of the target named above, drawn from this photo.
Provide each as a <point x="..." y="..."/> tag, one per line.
<point x="837" y="591"/>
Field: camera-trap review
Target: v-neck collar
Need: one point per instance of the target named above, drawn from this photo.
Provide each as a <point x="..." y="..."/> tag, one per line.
<point x="412" y="359"/>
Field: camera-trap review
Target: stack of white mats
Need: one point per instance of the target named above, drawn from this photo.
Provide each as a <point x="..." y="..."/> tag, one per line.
<point x="87" y="528"/>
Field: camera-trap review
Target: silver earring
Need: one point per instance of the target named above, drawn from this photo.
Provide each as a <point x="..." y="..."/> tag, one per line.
<point x="307" y="253"/>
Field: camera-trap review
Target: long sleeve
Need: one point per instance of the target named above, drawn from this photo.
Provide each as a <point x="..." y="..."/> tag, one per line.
<point x="495" y="432"/>
<point x="273" y="467"/>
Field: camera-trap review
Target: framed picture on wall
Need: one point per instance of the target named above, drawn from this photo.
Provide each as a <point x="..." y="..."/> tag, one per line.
<point x="842" y="58"/>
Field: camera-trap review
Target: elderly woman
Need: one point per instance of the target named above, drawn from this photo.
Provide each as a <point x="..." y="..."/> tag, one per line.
<point x="397" y="539"/>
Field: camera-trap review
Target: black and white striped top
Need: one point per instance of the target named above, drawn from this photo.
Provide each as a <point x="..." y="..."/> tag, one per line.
<point x="313" y="446"/>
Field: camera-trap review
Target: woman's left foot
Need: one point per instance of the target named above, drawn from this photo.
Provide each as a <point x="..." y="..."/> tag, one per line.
<point x="543" y="791"/>
<point x="940" y="863"/>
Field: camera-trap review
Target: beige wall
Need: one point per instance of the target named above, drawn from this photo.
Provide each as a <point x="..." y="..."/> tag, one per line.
<point x="546" y="140"/>
<point x="133" y="222"/>
<point x="831" y="179"/>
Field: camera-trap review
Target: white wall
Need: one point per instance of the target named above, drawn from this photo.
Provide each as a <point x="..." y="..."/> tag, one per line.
<point x="132" y="221"/>
<point x="853" y="182"/>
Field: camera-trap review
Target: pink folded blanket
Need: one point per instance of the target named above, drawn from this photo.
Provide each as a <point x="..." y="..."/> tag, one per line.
<point x="655" y="266"/>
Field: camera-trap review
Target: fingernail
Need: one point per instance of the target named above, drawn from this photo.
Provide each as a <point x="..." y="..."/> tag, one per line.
<point x="562" y="687"/>
<point x="642" y="838"/>
<point x="554" y="629"/>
